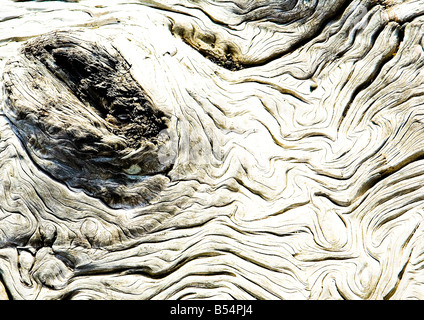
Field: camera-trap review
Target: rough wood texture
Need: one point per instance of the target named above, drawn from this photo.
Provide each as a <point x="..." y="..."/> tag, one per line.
<point x="225" y="149"/>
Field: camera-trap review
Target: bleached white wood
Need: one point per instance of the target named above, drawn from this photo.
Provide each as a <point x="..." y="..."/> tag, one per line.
<point x="291" y="166"/>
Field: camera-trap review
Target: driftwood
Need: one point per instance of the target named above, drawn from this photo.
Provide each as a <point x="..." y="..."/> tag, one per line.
<point x="212" y="149"/>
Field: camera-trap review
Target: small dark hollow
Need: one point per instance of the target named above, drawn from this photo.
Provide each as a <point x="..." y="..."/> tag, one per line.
<point x="227" y="62"/>
<point x="107" y="86"/>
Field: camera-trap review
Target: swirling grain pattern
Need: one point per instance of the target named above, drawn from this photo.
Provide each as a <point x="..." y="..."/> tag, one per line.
<point x="212" y="149"/>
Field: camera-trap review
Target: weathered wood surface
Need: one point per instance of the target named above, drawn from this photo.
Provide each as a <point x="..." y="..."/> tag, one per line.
<point x="225" y="149"/>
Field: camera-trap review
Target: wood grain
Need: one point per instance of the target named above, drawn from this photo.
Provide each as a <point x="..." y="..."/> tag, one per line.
<point x="212" y="149"/>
